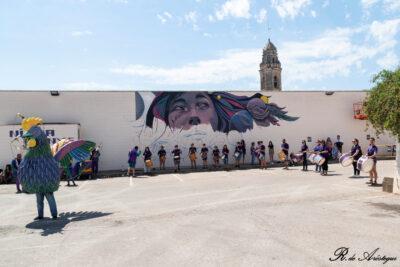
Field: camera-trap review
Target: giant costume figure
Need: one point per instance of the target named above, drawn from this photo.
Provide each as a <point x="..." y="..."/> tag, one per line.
<point x="38" y="171"/>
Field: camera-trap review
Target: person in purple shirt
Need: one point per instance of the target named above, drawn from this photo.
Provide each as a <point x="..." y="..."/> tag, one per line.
<point x="325" y="153"/>
<point x="132" y="156"/>
<point x="285" y="150"/>
<point x="15" y="166"/>
<point x="371" y="153"/>
<point x="304" y="149"/>
<point x="317" y="149"/>
<point x="356" y="153"/>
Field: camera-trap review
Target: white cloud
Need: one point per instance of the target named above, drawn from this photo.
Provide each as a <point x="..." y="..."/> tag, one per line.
<point x="334" y="53"/>
<point x="388" y="61"/>
<point x="119" y="1"/>
<point x="164" y="17"/>
<point x="191" y="18"/>
<point x="313" y="13"/>
<point x="392" y="5"/>
<point x="261" y="17"/>
<point x="90" y="86"/>
<point x="290" y="8"/>
<point x="168" y="15"/>
<point x="385" y="32"/>
<point x="325" y="4"/>
<point x="234" y="8"/>
<point x="232" y="65"/>
<point x="368" y="3"/>
<point x="81" y="33"/>
<point x="211" y="18"/>
<point x="388" y="5"/>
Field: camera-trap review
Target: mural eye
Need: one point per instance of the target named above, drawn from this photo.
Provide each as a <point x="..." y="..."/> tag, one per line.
<point x="203" y="106"/>
<point x="179" y="108"/>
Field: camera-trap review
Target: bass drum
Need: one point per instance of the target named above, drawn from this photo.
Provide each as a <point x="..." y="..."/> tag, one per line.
<point x="346" y="159"/>
<point x="311" y="157"/>
<point x="365" y="164"/>
<point x="296" y="157"/>
<point x="282" y="156"/>
<point x="319" y="160"/>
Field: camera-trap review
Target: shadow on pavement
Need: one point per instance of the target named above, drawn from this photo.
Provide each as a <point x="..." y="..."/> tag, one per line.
<point x="392" y="208"/>
<point x="50" y="227"/>
<point x="358" y="177"/>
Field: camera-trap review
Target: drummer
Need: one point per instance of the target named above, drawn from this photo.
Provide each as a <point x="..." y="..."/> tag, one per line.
<point x="356" y="154"/>
<point x="371" y="153"/>
<point x="317" y="149"/>
<point x="304" y="149"/>
<point x="285" y="150"/>
<point x="192" y="156"/>
<point x="325" y="153"/>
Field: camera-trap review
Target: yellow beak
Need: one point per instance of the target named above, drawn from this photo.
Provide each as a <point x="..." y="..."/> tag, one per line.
<point x="31" y="143"/>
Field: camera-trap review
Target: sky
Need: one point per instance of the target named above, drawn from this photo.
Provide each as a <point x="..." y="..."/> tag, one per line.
<point x="194" y="44"/>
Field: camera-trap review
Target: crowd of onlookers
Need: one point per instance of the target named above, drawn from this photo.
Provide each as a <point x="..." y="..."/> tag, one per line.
<point x="74" y="170"/>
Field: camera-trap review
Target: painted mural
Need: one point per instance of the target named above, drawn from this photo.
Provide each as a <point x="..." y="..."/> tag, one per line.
<point x="212" y="118"/>
<point x="224" y="112"/>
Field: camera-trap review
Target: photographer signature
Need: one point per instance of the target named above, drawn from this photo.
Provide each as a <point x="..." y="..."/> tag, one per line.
<point x="342" y="254"/>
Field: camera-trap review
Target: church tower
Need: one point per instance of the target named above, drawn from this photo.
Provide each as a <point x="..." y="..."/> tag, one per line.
<point x="270" y="69"/>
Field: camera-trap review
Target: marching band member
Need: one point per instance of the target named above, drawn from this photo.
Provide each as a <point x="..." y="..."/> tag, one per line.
<point x="192" y="156"/>
<point x="285" y="150"/>
<point x="225" y="156"/>
<point x="162" y="154"/>
<point x="325" y="153"/>
<point x="238" y="154"/>
<point x="317" y="149"/>
<point x="216" y="156"/>
<point x="356" y="154"/>
<point x="177" y="158"/>
<point x="148" y="164"/>
<point x="371" y="153"/>
<point x="304" y="149"/>
<point x="204" y="152"/>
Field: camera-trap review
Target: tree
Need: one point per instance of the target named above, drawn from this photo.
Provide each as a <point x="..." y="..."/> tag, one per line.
<point x="382" y="106"/>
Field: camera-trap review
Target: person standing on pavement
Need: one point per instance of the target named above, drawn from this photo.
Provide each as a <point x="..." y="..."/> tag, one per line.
<point x="15" y="167"/>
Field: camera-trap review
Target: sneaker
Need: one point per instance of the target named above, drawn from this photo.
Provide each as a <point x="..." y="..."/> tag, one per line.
<point x="38" y="218"/>
<point x="54" y="218"/>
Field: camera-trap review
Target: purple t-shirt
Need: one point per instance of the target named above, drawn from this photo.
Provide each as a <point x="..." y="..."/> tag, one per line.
<point x="285" y="148"/>
<point x="372" y="150"/>
<point x="133" y="155"/>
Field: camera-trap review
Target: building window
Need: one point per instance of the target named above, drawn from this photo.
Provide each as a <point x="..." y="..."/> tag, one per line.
<point x="275" y="82"/>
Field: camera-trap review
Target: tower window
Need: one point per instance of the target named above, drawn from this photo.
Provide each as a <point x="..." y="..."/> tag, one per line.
<point x="275" y="82"/>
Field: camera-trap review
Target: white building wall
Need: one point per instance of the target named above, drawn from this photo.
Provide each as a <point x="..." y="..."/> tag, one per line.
<point x="108" y="118"/>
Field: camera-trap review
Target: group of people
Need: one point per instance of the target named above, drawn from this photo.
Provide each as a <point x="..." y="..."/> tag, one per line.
<point x="327" y="149"/>
<point x="10" y="172"/>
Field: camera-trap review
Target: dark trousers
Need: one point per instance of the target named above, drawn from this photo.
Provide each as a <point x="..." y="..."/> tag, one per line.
<point x="317" y="168"/>
<point x="325" y="166"/>
<point x="305" y="163"/>
<point x="356" y="171"/>
<point x="95" y="167"/>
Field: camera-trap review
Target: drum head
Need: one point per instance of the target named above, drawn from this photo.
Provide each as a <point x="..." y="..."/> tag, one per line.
<point x="367" y="165"/>
<point x="346" y="160"/>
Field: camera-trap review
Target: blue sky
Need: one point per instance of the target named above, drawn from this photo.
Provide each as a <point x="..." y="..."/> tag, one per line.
<point x="194" y="44"/>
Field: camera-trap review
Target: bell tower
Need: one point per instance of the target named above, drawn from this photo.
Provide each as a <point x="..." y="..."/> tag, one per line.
<point x="270" y="69"/>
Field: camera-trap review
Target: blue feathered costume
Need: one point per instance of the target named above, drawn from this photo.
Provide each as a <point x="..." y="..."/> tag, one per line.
<point x="38" y="171"/>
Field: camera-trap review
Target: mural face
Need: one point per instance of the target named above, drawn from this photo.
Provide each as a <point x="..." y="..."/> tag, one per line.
<point x="223" y="111"/>
<point x="191" y="108"/>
